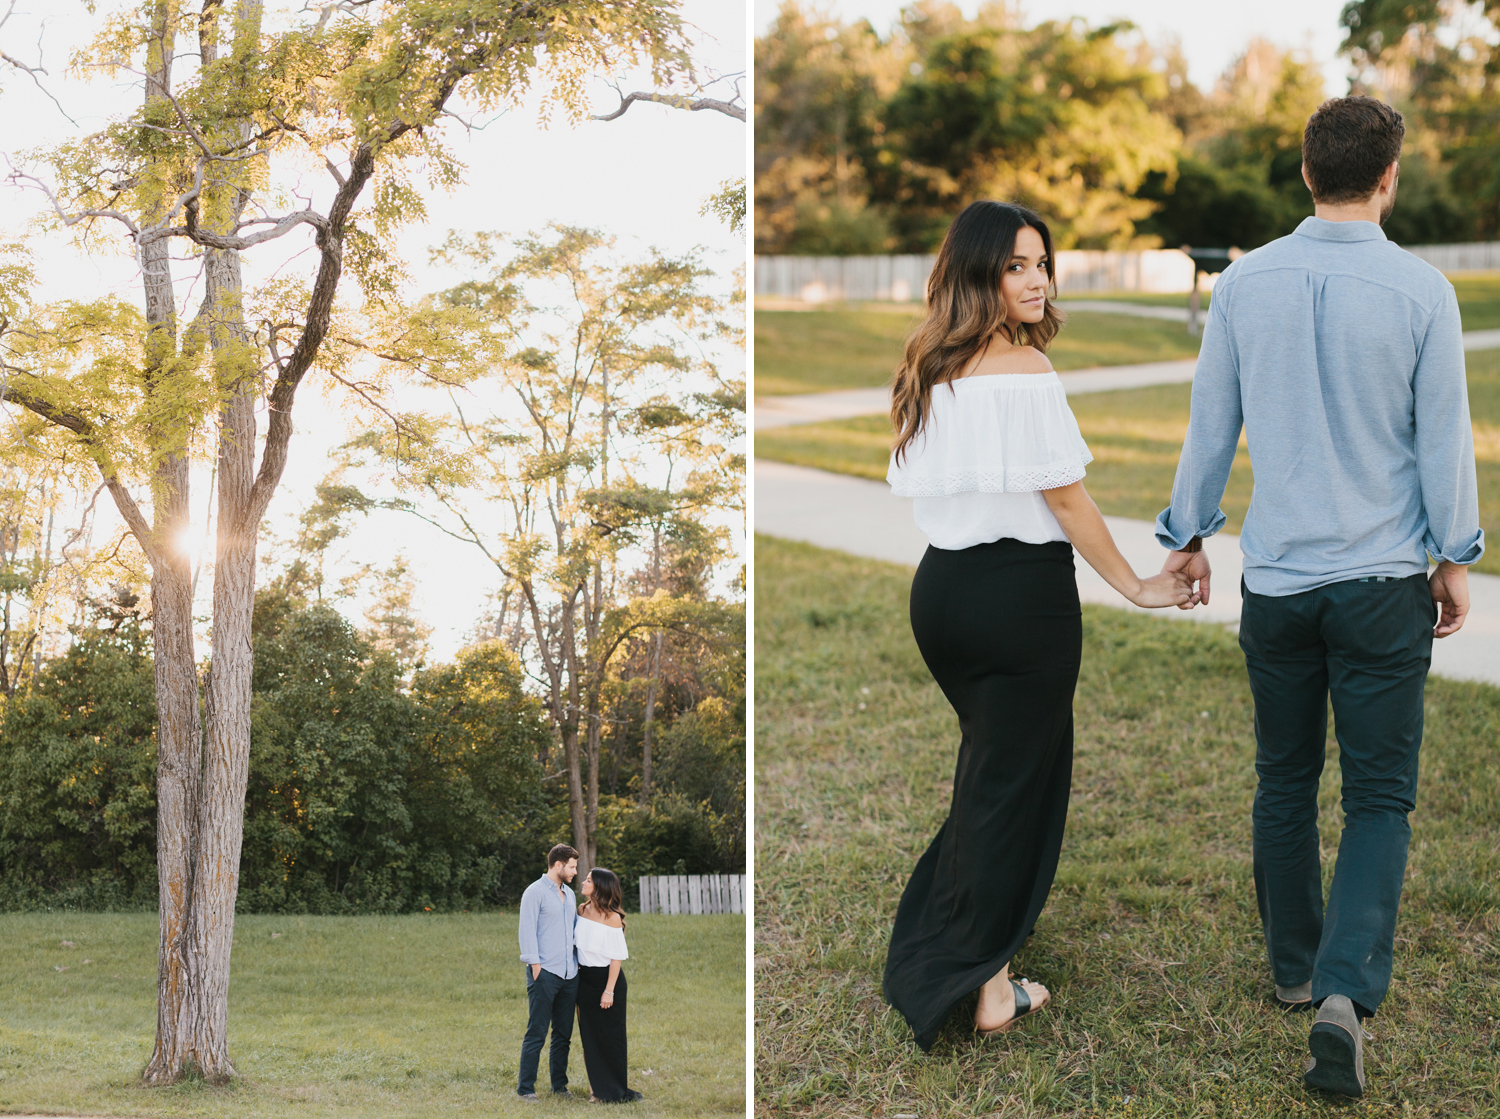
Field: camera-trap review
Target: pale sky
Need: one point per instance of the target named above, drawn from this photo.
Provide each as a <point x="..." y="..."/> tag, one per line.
<point x="1213" y="32"/>
<point x="642" y="178"/>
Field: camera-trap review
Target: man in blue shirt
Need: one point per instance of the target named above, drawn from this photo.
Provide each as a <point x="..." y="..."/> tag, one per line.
<point x="1341" y="355"/>
<point x="547" y="915"/>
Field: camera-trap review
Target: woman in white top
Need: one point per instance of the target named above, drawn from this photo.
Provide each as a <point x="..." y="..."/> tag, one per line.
<point x="991" y="453"/>
<point x="600" y="938"/>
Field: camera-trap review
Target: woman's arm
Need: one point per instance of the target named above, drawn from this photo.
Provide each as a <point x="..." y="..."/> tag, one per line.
<point x="1081" y="520"/>
<point x="608" y="998"/>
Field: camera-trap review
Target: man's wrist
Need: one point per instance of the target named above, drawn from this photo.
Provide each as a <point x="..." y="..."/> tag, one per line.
<point x="1193" y="545"/>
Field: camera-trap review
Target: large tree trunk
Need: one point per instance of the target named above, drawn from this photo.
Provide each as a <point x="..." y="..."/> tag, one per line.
<point x="215" y="821"/>
<point x="179" y="741"/>
<point x="577" y="810"/>
<point x="571" y="658"/>
<point x="591" y="803"/>
<point x="650" y="723"/>
<point x="179" y="748"/>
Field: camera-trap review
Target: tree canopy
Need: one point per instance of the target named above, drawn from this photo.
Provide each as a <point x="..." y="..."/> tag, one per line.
<point x="870" y="143"/>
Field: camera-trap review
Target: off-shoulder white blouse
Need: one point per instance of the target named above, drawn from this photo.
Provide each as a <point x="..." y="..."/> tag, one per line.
<point x="990" y="445"/>
<point x="598" y="943"/>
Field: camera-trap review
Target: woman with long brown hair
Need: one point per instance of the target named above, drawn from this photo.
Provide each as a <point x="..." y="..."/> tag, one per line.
<point x="991" y="453"/>
<point x="600" y="936"/>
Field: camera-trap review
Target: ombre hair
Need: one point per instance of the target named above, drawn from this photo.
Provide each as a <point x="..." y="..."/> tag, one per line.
<point x="965" y="308"/>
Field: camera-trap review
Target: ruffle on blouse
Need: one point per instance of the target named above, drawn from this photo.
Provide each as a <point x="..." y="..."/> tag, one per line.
<point x="1007" y="433"/>
<point x="595" y="936"/>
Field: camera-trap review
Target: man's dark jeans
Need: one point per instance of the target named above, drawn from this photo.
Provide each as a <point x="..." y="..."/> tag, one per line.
<point x="1366" y="645"/>
<point x="550" y="1000"/>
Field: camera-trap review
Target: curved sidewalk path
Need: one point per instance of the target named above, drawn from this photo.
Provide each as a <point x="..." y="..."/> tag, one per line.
<point x="863" y="517"/>
<point x="822" y="407"/>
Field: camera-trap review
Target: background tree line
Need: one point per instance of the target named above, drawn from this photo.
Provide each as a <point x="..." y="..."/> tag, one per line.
<point x="378" y="783"/>
<point x="869" y="143"/>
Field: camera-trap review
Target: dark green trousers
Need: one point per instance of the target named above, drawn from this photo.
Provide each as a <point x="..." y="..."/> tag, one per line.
<point x="1367" y="646"/>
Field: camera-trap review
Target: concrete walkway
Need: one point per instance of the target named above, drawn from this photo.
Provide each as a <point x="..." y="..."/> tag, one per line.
<point x="863" y="517"/>
<point x="823" y="407"/>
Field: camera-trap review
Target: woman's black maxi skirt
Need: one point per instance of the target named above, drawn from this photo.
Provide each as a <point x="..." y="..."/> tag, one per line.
<point x="1000" y="629"/>
<point x="603" y="1035"/>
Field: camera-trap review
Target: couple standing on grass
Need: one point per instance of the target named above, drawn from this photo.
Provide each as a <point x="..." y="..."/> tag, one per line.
<point x="1342" y="357"/>
<point x="573" y="955"/>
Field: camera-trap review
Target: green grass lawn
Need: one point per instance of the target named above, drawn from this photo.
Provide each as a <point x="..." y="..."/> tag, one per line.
<point x="1478" y="299"/>
<point x="815" y="351"/>
<point x="858" y="347"/>
<point x="1136" y="436"/>
<point x="1150" y="941"/>
<point x="409" y="1016"/>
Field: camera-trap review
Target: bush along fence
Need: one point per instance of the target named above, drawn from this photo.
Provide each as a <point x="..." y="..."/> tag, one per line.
<point x="693" y="893"/>
<point x="903" y="279"/>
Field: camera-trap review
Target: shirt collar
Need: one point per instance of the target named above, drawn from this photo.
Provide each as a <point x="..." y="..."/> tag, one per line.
<point x="1321" y="229"/>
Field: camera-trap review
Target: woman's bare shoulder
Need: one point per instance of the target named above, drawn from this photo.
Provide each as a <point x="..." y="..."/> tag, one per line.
<point x="613" y="920"/>
<point x="1011" y="360"/>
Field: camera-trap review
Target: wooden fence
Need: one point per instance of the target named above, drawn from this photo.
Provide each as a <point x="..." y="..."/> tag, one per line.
<point x="1481" y="256"/>
<point x="693" y="893"/>
<point x="903" y="279"/>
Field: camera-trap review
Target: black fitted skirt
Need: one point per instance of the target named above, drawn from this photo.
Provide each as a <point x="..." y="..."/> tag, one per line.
<point x="1001" y="631"/>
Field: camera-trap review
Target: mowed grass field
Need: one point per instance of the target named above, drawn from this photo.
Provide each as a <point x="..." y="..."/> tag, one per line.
<point x="818" y="351"/>
<point x="1150" y="941"/>
<point x="1478" y="299"/>
<point x="411" y="1016"/>
<point x="1136" y="436"/>
<point x="854" y="347"/>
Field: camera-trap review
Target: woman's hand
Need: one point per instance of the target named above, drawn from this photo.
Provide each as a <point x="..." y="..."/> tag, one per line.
<point x="1170" y="588"/>
<point x="607" y="1000"/>
<point x="1084" y="524"/>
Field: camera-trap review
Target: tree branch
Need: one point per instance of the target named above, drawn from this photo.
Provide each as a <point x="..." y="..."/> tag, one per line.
<point x="81" y="427"/>
<point x="678" y="101"/>
<point x="32" y="71"/>
<point x="280" y="227"/>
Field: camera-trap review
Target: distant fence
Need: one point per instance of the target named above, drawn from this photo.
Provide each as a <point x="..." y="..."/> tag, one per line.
<point x="903" y="279"/>
<point x="693" y="893"/>
<point x="1482" y="256"/>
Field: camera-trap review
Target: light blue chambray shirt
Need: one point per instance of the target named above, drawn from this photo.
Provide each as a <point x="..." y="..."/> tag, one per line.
<point x="547" y="928"/>
<point x="1342" y="356"/>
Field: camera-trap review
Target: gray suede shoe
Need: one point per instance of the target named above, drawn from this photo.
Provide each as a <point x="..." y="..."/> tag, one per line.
<point x="1336" y="1043"/>
<point x="1294" y="998"/>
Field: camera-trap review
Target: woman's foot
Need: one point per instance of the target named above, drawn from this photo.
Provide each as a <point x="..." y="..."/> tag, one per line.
<point x="997" y="1002"/>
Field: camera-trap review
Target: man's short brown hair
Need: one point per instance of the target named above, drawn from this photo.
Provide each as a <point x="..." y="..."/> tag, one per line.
<point x="560" y="854"/>
<point x="1347" y="145"/>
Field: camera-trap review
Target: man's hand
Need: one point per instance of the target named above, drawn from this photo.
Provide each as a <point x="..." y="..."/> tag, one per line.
<point x="536" y="971"/>
<point x="1449" y="586"/>
<point x="1195" y="566"/>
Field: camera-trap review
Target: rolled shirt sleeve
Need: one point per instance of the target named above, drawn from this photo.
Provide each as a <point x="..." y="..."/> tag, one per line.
<point x="1445" y="441"/>
<point x="531" y="910"/>
<point x="1213" y="437"/>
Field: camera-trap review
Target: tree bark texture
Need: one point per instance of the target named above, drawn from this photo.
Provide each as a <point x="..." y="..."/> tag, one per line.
<point x="195" y="1035"/>
<point x="650" y="723"/>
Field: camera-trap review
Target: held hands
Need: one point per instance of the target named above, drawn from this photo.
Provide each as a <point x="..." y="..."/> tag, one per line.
<point x="1170" y="588"/>
<point x="1195" y="566"/>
